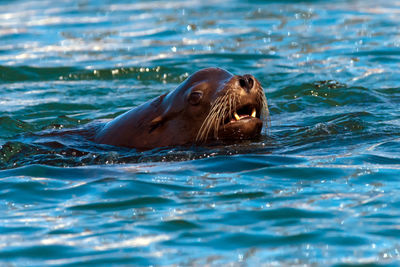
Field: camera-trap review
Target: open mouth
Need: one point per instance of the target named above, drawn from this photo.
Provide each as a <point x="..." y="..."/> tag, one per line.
<point x="246" y="112"/>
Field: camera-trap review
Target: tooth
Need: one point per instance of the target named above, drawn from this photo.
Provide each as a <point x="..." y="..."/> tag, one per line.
<point x="236" y="116"/>
<point x="253" y="114"/>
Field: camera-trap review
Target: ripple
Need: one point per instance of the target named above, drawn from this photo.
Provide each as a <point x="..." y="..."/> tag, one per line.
<point x="319" y="188"/>
<point x="255" y="217"/>
<point x="236" y="241"/>
<point x="126" y="204"/>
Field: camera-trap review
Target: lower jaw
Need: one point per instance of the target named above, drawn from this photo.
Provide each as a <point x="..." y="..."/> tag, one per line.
<point x="241" y="131"/>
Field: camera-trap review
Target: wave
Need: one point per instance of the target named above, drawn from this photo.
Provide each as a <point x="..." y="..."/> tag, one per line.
<point x="28" y="73"/>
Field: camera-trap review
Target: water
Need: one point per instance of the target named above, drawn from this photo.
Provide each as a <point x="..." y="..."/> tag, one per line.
<point x="321" y="188"/>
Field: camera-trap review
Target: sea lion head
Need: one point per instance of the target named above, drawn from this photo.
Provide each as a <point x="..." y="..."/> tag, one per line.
<point x="211" y="104"/>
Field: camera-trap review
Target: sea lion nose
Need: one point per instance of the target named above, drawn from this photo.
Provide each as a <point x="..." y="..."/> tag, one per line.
<point x="246" y="82"/>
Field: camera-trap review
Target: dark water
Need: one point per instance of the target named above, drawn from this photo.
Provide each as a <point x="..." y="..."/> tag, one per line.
<point x="322" y="188"/>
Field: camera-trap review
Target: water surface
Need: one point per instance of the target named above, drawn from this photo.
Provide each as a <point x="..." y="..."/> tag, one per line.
<point x="319" y="188"/>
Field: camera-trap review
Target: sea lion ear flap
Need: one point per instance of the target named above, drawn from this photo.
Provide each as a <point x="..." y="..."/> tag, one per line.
<point x="156" y="122"/>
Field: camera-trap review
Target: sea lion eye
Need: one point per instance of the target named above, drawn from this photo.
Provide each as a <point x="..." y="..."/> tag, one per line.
<point x="195" y="97"/>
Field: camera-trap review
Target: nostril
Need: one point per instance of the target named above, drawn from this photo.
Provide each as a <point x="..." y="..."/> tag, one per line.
<point x="246" y="82"/>
<point x="250" y="82"/>
<point x="243" y="83"/>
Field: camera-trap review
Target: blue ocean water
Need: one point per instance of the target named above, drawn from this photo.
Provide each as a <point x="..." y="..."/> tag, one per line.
<point x="321" y="187"/>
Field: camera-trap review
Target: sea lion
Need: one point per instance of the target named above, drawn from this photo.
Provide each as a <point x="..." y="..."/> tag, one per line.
<point x="211" y="104"/>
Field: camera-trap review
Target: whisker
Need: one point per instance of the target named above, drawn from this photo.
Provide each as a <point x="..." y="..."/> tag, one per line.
<point x="265" y="116"/>
<point x="222" y="108"/>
